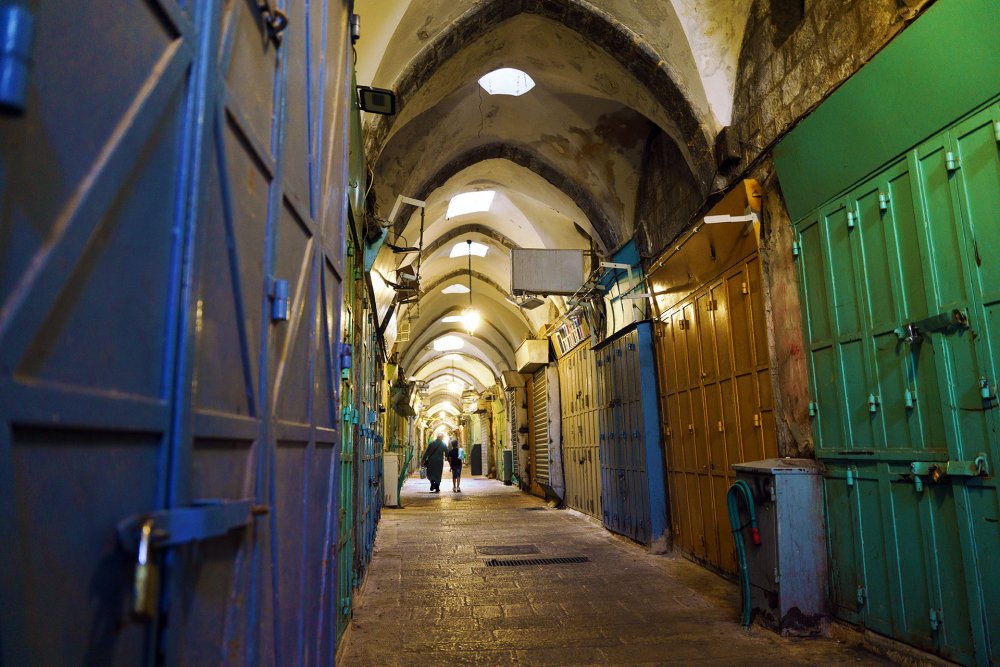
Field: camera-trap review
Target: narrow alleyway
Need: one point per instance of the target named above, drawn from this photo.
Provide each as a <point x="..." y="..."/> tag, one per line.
<point x="430" y="600"/>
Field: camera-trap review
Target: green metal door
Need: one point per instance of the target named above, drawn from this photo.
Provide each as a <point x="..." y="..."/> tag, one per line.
<point x="899" y="286"/>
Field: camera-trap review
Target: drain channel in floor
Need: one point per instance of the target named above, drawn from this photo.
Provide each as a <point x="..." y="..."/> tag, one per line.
<point x="514" y="562"/>
<point x="508" y="550"/>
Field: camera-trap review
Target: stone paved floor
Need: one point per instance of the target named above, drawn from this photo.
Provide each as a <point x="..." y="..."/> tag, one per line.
<point x="429" y="599"/>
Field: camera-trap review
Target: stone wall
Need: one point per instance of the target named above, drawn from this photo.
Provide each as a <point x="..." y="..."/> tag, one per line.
<point x="785" y="71"/>
<point x="668" y="195"/>
<point x="782" y="77"/>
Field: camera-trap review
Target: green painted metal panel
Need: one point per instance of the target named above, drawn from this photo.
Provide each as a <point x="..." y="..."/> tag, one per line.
<point x="911" y="557"/>
<point x="944" y="64"/>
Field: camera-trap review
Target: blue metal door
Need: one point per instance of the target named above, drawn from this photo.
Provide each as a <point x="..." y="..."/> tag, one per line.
<point x="633" y="492"/>
<point x="150" y="221"/>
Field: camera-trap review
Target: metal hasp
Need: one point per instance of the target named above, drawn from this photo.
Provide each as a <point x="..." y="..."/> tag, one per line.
<point x="633" y="497"/>
<point x="937" y="470"/>
<point x="788" y="570"/>
<point x="203" y="520"/>
<point x="17" y="30"/>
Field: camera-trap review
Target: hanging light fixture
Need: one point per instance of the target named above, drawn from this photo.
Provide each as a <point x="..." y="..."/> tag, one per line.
<point x="455" y="385"/>
<point x="471" y="315"/>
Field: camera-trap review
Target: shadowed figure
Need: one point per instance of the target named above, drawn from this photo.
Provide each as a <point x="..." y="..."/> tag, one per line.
<point x="433" y="460"/>
<point x="455" y="461"/>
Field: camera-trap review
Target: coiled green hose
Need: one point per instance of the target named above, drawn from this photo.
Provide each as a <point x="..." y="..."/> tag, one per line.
<point x="741" y="489"/>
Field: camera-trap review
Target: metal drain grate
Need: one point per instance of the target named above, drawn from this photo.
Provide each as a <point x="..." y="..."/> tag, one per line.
<point x="508" y="550"/>
<point x="514" y="562"/>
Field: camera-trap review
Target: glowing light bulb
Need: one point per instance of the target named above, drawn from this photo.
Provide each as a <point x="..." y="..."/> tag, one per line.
<point x="471" y="320"/>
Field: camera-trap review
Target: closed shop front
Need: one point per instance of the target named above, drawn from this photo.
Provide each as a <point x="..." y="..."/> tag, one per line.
<point x="715" y="380"/>
<point x="900" y="286"/>
<point x="539" y="428"/>
<point x="581" y="454"/>
<point x="633" y="501"/>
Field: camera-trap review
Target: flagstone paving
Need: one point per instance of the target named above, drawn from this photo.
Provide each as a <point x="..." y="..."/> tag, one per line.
<point x="429" y="598"/>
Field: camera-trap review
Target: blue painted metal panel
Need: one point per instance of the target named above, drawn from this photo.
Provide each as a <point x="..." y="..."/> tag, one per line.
<point x="146" y="217"/>
<point x="633" y="491"/>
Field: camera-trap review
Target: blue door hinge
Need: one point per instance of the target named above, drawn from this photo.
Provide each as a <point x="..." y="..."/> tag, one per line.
<point x="813" y="408"/>
<point x="279" y="300"/>
<point x="203" y="520"/>
<point x="796" y="248"/>
<point x="17" y="32"/>
<point x="851" y="219"/>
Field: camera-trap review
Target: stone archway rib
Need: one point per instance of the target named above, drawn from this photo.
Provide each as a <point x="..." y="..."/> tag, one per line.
<point x="613" y="37"/>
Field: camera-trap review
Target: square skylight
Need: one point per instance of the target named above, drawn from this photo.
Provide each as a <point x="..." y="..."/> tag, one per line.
<point x="470" y="202"/>
<point x="464" y="248"/>
<point x="457" y="288"/>
<point x="448" y="343"/>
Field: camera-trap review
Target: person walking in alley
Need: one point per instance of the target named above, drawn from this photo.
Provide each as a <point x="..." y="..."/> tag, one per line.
<point x="455" y="460"/>
<point x="433" y="460"/>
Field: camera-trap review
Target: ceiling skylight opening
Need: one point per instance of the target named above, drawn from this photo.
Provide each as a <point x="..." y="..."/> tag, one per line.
<point x="470" y="202"/>
<point x="448" y="343"/>
<point x="465" y="248"/>
<point x="507" y="81"/>
<point x="457" y="288"/>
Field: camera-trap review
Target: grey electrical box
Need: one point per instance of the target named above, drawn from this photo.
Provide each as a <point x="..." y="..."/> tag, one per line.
<point x="788" y="570"/>
<point x="539" y="271"/>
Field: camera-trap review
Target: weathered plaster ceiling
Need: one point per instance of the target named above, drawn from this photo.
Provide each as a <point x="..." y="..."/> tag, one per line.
<point x="564" y="159"/>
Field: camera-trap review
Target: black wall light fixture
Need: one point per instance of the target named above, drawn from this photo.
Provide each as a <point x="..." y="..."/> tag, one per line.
<point x="377" y="100"/>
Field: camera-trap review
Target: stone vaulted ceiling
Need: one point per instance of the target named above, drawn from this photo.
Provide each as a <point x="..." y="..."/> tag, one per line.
<point x="563" y="159"/>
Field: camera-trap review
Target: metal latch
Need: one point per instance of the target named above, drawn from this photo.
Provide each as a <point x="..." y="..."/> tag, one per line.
<point x="143" y="533"/>
<point x="203" y="520"/>
<point x="17" y="32"/>
<point x="937" y="470"/>
<point x="946" y="323"/>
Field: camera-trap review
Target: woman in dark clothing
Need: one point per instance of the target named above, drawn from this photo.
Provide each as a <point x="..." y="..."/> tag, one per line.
<point x="455" y="459"/>
<point x="433" y="460"/>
